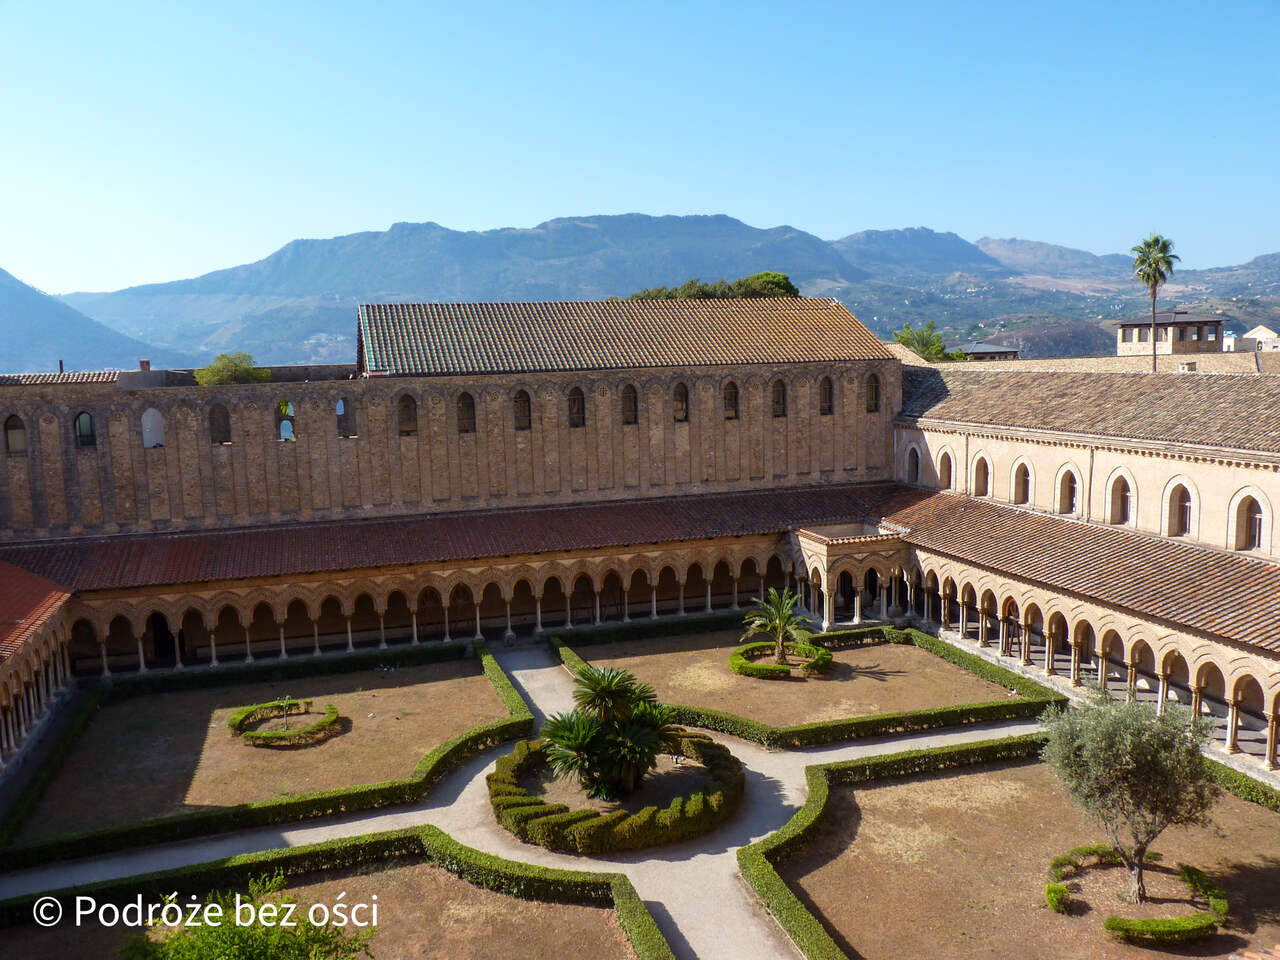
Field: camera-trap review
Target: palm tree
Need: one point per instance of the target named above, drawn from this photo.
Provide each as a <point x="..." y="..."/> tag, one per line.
<point x="776" y="617"/>
<point x="1153" y="261"/>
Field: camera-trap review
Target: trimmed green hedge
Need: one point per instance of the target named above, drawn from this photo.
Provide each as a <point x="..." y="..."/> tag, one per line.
<point x="1163" y="931"/>
<point x="756" y="861"/>
<point x="184" y="826"/>
<point x="372" y="851"/>
<point x="1244" y="786"/>
<point x="1032" y="699"/>
<point x="1057" y="897"/>
<point x="586" y="831"/>
<point x="317" y="732"/>
<point x="743" y="660"/>
<point x="584" y="636"/>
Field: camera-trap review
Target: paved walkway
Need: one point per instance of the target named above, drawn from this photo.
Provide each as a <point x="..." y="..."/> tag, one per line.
<point x="693" y="889"/>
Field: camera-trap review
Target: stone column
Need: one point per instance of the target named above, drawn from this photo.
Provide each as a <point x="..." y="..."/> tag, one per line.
<point x="857" y="605"/>
<point x="479" y="636"/>
<point x="1075" y="664"/>
<point x="1197" y="701"/>
<point x="964" y="621"/>
<point x="626" y="605"/>
<point x="1025" y="640"/>
<point x="1273" y="734"/>
<point x="828" y="609"/>
<point x="248" y="643"/>
<point x="910" y="608"/>
<point x="1163" y="695"/>
<point x="1233" y="722"/>
<point x="884" y="601"/>
<point x="413" y="616"/>
<point x="653" y="601"/>
<point x="944" y="610"/>
<point x="142" y="659"/>
<point x="537" y="614"/>
<point x="350" y="643"/>
<point x="283" y="653"/>
<point x="509" y="634"/>
<point x="762" y="586"/>
<point x="681" y="610"/>
<point x="446" y="637"/>
<point x="1050" y="649"/>
<point x="568" y="611"/>
<point x="735" y="594"/>
<point x="177" y="649"/>
<point x="984" y="629"/>
<point x="213" y="650"/>
<point x="1002" y="635"/>
<point x="382" y="631"/>
<point x="1131" y="683"/>
<point x="315" y="638"/>
<point x="596" y="594"/>
<point x="708" y="608"/>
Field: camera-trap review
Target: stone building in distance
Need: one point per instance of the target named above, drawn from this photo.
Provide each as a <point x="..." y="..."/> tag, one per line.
<point x="489" y="470"/>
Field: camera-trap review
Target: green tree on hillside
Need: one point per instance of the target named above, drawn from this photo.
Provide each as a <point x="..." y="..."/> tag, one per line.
<point x="927" y="343"/>
<point x="231" y="368"/>
<point x="1133" y="771"/>
<point x="1153" y="261"/>
<point x="767" y="283"/>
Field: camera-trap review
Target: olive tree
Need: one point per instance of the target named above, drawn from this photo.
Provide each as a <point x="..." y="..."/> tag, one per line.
<point x="1135" y="772"/>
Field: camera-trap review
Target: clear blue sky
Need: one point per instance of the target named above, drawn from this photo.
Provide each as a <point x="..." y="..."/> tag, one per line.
<point x="147" y="142"/>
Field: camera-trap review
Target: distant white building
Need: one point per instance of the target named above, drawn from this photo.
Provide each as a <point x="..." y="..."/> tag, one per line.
<point x="1259" y="338"/>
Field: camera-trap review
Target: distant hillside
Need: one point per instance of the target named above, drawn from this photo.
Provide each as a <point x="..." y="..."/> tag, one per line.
<point x="298" y="303"/>
<point x="1068" y="338"/>
<point x="917" y="250"/>
<point x="1032" y="256"/>
<point x="36" y="331"/>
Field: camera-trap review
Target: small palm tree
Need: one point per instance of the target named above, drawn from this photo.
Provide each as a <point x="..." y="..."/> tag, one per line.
<point x="1153" y="261"/>
<point x="776" y="617"/>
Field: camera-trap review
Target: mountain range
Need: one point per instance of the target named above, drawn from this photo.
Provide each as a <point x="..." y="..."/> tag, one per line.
<point x="298" y="304"/>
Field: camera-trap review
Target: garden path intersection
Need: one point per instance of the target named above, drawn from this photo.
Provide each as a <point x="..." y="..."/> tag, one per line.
<point x="693" y="889"/>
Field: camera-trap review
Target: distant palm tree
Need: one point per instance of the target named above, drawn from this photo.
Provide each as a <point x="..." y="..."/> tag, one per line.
<point x="1153" y="261"/>
<point x="776" y="617"/>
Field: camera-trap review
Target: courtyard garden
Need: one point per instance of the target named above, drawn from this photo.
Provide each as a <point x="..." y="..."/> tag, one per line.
<point x="164" y="753"/>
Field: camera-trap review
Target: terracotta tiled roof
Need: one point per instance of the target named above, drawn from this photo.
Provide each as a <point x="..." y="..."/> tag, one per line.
<point x="71" y="376"/>
<point x="463" y="338"/>
<point x="26" y="601"/>
<point x="1222" y="593"/>
<point x="1212" y="409"/>
<point x="1152" y="576"/>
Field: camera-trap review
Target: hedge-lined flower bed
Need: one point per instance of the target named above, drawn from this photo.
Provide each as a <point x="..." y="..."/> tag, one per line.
<point x="756" y="861"/>
<point x="327" y="726"/>
<point x="557" y="827"/>
<point x="1188" y="928"/>
<point x="372" y="851"/>
<point x="1031" y="701"/>
<point x="743" y="661"/>
<point x="184" y="826"/>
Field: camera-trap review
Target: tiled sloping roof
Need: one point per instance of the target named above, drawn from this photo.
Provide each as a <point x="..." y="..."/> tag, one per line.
<point x="1227" y="594"/>
<point x="135" y="561"/>
<point x="71" y="376"/>
<point x="1211" y="409"/>
<point x="462" y="338"/>
<point x="26" y="601"/>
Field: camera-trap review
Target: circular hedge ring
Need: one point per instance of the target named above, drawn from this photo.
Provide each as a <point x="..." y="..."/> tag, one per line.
<point x="1150" y="932"/>
<point x="744" y="660"/>
<point x="327" y="726"/>
<point x="556" y="827"/>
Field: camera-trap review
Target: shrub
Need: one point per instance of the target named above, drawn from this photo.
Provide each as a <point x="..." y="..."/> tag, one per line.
<point x="1057" y="897"/>
<point x="1163" y="931"/>
<point x="327" y="726"/>
<point x="1200" y="882"/>
<point x="743" y="660"/>
<point x="556" y="827"/>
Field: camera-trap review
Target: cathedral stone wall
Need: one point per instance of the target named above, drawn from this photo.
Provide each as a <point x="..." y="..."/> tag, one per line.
<point x="364" y="464"/>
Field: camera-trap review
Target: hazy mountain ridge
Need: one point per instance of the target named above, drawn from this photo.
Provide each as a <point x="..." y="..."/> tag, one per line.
<point x="297" y="304"/>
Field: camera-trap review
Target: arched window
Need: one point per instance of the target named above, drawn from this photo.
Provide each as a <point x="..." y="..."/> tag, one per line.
<point x="407" y="415"/>
<point x="981" y="478"/>
<point x="345" y="413"/>
<point x="1067" y="493"/>
<point x="1180" y="512"/>
<point x="913" y="465"/>
<point x="1121" y="501"/>
<point x="152" y="429"/>
<point x="15" y="435"/>
<point x="1022" y="484"/>
<point x="731" y="401"/>
<point x="779" y="398"/>
<point x="680" y="404"/>
<point x="522" y="410"/>
<point x="944" y="472"/>
<point x="86" y="435"/>
<point x="873" y="394"/>
<point x="577" y="408"/>
<point x="630" y="405"/>
<point x="466" y="413"/>
<point x="1249" y="525"/>
<point x="826" y="397"/>
<point x="284" y="420"/>
<point x="219" y="424"/>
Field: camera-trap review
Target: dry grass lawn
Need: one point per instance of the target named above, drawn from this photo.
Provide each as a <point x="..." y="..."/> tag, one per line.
<point x="424" y="913"/>
<point x="956" y="865"/>
<point x="881" y="678"/>
<point x="165" y="753"/>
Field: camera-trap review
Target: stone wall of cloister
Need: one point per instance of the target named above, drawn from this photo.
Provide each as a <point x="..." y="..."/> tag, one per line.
<point x="32" y="680"/>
